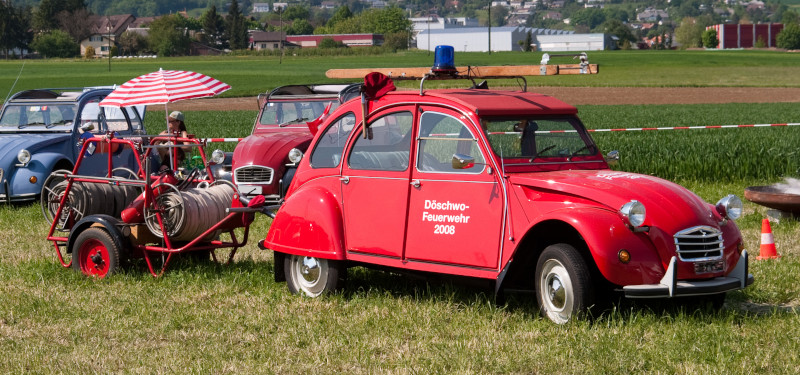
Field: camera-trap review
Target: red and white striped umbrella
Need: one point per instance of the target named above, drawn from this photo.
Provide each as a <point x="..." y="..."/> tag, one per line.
<point x="164" y="86"/>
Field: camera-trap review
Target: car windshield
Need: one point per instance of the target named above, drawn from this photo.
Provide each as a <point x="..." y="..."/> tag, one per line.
<point x="538" y="138"/>
<point x="38" y="117"/>
<point x="285" y="113"/>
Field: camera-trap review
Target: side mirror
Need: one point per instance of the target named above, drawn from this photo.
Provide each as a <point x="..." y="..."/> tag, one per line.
<point x="461" y="161"/>
<point x="612" y="157"/>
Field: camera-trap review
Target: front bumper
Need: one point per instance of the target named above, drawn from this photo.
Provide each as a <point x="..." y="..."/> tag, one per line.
<point x="670" y="286"/>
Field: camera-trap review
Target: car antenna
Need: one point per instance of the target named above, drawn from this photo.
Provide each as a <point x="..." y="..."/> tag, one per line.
<point x="15" y="82"/>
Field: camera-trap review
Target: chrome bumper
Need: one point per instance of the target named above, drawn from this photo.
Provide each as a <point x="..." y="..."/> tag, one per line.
<point x="670" y="286"/>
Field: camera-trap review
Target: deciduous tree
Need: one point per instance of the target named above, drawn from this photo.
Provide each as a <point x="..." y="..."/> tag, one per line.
<point x="168" y="37"/>
<point x="710" y="39"/>
<point x="789" y="37"/>
<point x="55" y="43"/>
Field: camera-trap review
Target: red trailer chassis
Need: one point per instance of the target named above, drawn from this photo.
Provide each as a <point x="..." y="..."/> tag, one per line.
<point x="99" y="241"/>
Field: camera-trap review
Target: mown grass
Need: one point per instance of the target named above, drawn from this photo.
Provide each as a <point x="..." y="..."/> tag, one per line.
<point x="206" y="318"/>
<point x="250" y="75"/>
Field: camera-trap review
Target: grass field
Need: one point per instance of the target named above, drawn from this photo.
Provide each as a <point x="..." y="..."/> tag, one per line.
<point x="618" y="68"/>
<point x="206" y="318"/>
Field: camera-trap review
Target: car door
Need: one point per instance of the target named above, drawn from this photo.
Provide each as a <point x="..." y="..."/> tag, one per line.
<point x="455" y="215"/>
<point x="375" y="185"/>
<point x="96" y="121"/>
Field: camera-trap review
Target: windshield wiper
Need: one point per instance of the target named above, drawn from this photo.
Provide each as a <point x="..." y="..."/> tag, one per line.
<point x="23" y="126"/>
<point x="295" y="121"/>
<point x="62" y="122"/>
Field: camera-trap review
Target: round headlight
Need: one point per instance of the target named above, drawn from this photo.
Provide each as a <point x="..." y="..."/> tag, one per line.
<point x="24" y="156"/>
<point x="634" y="213"/>
<point x="218" y="157"/>
<point x="295" y="155"/>
<point x="730" y="207"/>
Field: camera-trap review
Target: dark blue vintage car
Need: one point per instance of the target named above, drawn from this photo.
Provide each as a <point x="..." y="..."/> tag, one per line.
<point x="42" y="131"/>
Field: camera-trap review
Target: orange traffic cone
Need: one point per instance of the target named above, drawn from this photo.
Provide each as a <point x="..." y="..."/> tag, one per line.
<point x="768" y="250"/>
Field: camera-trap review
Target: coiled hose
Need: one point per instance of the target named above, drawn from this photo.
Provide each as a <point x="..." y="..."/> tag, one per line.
<point x="187" y="214"/>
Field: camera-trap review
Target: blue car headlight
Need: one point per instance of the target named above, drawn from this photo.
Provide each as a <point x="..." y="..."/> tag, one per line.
<point x="24" y="156"/>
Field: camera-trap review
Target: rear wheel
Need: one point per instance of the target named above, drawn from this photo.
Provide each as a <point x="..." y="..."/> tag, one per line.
<point x="311" y="276"/>
<point x="95" y="254"/>
<point x="52" y="191"/>
<point x="563" y="283"/>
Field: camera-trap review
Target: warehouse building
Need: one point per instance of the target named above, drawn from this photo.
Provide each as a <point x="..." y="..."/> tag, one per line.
<point x="746" y="36"/>
<point x="509" y="38"/>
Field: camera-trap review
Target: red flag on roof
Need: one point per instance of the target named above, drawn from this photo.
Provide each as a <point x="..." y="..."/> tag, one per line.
<point x="377" y="85"/>
<point x="313" y="125"/>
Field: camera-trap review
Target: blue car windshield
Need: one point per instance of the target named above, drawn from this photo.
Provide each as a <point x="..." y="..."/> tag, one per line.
<point x="54" y="117"/>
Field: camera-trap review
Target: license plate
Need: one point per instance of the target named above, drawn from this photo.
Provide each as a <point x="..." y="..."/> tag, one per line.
<point x="248" y="190"/>
<point x="709" y="267"/>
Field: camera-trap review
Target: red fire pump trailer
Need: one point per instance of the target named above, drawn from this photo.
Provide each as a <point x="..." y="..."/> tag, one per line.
<point x="97" y="222"/>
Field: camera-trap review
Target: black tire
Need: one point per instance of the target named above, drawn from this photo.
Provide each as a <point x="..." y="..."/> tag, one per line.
<point x="311" y="276"/>
<point x="563" y="284"/>
<point x="95" y="254"/>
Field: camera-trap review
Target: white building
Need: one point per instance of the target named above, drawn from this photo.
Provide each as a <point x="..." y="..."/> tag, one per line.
<point x="260" y="8"/>
<point x="507" y="38"/>
<point x="574" y="42"/>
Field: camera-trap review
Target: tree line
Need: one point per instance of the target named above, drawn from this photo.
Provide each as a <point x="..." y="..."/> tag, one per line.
<point x="50" y="28"/>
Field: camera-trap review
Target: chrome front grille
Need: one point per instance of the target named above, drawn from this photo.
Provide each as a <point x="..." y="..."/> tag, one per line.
<point x="699" y="243"/>
<point x="253" y="174"/>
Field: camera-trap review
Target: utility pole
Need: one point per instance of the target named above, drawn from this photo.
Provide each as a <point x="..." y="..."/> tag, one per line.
<point x="108" y="19"/>
<point x="490" y="27"/>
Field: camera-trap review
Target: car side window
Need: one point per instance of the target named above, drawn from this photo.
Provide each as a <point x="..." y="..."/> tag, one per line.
<point x="89" y="117"/>
<point x="440" y="138"/>
<point x="115" y="119"/>
<point x="387" y="145"/>
<point x="328" y="151"/>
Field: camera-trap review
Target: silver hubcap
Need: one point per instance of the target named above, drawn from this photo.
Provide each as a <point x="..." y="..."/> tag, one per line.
<point x="555" y="287"/>
<point x="310" y="275"/>
<point x="309" y="270"/>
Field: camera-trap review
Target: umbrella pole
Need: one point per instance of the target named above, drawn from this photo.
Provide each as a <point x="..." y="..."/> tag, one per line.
<point x="170" y="150"/>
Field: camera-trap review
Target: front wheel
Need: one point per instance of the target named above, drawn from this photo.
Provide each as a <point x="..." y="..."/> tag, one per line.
<point x="95" y="253"/>
<point x="311" y="276"/>
<point x="563" y="283"/>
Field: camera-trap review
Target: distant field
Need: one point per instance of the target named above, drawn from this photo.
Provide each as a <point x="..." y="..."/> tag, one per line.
<point x="251" y="75"/>
<point x="203" y="318"/>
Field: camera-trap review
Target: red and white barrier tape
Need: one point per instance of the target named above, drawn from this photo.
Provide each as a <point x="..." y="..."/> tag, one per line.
<point x="662" y="128"/>
<point x="210" y="140"/>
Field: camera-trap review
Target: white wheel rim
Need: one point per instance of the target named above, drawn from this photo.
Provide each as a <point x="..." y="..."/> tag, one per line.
<point x="310" y="274"/>
<point x="555" y="287"/>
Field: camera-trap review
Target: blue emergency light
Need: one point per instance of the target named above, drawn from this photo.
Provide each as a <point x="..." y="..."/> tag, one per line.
<point x="444" y="59"/>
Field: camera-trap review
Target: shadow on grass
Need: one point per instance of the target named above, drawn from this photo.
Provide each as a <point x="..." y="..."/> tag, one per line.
<point x="367" y="283"/>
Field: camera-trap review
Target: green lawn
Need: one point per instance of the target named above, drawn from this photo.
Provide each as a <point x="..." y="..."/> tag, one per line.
<point x="250" y="75"/>
<point x="205" y="318"/>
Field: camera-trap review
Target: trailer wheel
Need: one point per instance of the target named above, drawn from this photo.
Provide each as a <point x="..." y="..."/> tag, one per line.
<point x="311" y="276"/>
<point x="563" y="283"/>
<point x="50" y="198"/>
<point x="95" y="254"/>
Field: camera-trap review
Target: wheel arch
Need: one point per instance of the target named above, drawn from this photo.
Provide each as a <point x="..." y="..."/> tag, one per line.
<point x="519" y="274"/>
<point x="309" y="223"/>
<point x="109" y="223"/>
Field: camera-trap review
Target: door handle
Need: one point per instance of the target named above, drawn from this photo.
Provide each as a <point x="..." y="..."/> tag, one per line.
<point x="345" y="180"/>
<point x="415" y="183"/>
